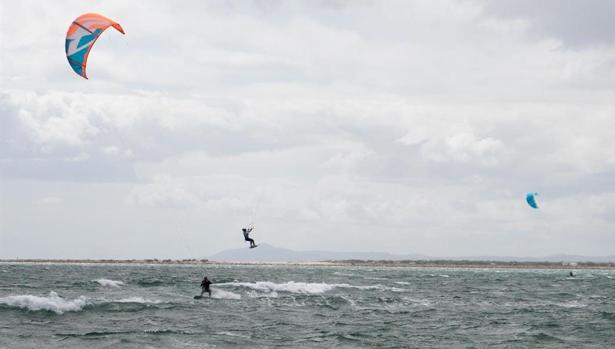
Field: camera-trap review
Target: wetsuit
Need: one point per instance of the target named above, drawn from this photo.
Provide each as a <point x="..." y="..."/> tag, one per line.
<point x="205" y="286"/>
<point x="246" y="236"/>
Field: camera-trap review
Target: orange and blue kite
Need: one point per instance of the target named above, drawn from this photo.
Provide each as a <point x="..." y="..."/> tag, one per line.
<point x="81" y="36"/>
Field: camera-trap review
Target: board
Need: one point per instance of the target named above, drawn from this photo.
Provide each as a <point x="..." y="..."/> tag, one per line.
<point x="254" y="246"/>
<point x="198" y="297"/>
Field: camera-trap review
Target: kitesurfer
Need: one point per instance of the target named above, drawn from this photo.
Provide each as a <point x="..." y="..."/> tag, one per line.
<point x="246" y="236"/>
<point x="571" y="274"/>
<point x="205" y="286"/>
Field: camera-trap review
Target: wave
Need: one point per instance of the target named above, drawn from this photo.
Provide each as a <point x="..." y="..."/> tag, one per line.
<point x="231" y="334"/>
<point x="437" y="275"/>
<point x="222" y="294"/>
<point x="53" y="303"/>
<point x="154" y="331"/>
<point x="419" y="301"/>
<point x="254" y="294"/>
<point x="572" y="304"/>
<point x="108" y="282"/>
<point x="151" y="283"/>
<point x="291" y="286"/>
<point x="343" y="274"/>
<point x="304" y="287"/>
<point x="136" y="300"/>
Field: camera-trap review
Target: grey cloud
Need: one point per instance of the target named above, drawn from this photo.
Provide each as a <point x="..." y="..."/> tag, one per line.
<point x="415" y="124"/>
<point x="578" y="23"/>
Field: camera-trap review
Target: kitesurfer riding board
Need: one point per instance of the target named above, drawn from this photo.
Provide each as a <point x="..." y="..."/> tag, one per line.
<point x="204" y="288"/>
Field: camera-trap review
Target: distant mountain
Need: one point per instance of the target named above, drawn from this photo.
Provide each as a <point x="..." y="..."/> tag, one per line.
<point x="269" y="253"/>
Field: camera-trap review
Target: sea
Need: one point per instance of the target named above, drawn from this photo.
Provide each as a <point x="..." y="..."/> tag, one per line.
<point x="281" y="306"/>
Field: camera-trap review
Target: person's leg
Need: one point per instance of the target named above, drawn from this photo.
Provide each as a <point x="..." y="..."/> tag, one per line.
<point x="209" y="291"/>
<point x="202" y="291"/>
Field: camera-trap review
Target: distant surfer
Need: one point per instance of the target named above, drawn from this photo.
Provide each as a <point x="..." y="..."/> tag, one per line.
<point x="246" y="236"/>
<point x="571" y="275"/>
<point x="205" y="286"/>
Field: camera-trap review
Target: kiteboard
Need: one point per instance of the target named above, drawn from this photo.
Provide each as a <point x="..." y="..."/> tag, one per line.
<point x="254" y="246"/>
<point x="200" y="297"/>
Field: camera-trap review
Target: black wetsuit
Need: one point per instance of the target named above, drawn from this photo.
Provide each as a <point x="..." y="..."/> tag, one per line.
<point x="246" y="236"/>
<point x="205" y="286"/>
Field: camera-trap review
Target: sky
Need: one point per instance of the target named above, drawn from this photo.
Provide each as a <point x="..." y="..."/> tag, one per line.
<point x="397" y="126"/>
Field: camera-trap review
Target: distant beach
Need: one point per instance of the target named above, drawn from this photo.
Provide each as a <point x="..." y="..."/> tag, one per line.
<point x="337" y="263"/>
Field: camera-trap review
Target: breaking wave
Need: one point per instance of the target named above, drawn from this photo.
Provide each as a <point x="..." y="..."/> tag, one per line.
<point x="222" y="294"/>
<point x="137" y="300"/>
<point x="108" y="283"/>
<point x="52" y="302"/>
<point x="304" y="287"/>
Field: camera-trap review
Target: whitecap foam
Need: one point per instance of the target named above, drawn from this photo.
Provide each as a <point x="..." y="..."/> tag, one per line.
<point x="572" y="304"/>
<point x="304" y="287"/>
<point x="108" y="282"/>
<point x="231" y="334"/>
<point x="291" y="286"/>
<point x="52" y="302"/>
<point x="222" y="294"/>
<point x="138" y="300"/>
<point x="350" y="301"/>
<point x="254" y="294"/>
<point x="419" y="301"/>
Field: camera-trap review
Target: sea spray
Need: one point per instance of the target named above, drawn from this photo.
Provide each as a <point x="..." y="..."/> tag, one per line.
<point x="137" y="300"/>
<point x="53" y="302"/>
<point x="305" y="287"/>
<point x="222" y="294"/>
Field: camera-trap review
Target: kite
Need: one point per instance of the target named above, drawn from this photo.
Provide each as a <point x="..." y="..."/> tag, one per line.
<point x="81" y="36"/>
<point x="531" y="199"/>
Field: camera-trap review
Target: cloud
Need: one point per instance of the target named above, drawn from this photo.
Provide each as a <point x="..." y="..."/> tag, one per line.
<point x="576" y="23"/>
<point x="463" y="147"/>
<point x="397" y="126"/>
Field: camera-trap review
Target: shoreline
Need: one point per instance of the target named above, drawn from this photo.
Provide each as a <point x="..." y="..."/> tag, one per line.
<point x="453" y="264"/>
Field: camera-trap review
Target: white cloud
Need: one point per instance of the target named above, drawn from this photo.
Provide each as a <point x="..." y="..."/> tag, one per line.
<point x="463" y="147"/>
<point x="413" y="126"/>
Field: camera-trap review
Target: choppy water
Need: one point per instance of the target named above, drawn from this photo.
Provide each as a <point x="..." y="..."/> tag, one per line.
<point x="141" y="306"/>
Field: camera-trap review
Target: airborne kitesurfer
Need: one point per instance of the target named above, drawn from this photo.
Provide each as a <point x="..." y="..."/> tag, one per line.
<point x="246" y="236"/>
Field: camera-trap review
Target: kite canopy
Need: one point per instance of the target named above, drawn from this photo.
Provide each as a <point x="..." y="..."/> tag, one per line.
<point x="531" y="199"/>
<point x="82" y="35"/>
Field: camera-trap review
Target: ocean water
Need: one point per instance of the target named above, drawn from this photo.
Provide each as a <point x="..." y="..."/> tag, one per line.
<point x="152" y="306"/>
